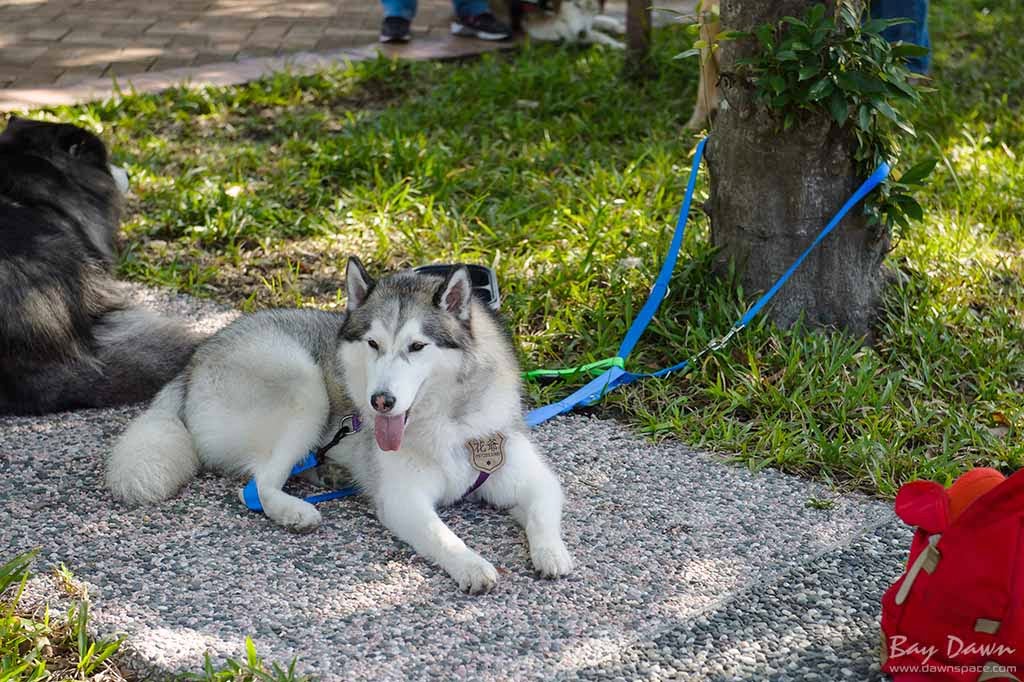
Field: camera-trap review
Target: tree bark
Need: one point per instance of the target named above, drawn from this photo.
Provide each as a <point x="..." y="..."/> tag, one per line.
<point x="638" y="39"/>
<point x="773" y="191"/>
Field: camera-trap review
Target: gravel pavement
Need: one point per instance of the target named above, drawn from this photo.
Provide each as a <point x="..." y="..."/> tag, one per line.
<point x="687" y="566"/>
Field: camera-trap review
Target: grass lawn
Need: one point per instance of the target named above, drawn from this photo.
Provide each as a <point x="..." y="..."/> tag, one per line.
<point x="547" y="166"/>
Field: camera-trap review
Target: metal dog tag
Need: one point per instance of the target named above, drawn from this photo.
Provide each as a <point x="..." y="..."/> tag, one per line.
<point x="487" y="454"/>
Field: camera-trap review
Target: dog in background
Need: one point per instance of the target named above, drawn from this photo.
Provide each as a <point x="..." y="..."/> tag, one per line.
<point x="69" y="336"/>
<point x="579" y="22"/>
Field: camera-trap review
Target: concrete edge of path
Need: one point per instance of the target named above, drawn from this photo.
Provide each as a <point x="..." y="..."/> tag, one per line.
<point x="242" y="71"/>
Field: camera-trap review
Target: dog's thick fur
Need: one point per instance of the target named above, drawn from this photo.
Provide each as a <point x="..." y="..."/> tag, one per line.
<point x="69" y="336"/>
<point x="425" y="365"/>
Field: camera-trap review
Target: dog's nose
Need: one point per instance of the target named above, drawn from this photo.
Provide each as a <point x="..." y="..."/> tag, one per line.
<point x="382" y="401"/>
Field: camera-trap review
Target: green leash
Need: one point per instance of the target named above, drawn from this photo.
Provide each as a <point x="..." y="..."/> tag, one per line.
<point x="593" y="368"/>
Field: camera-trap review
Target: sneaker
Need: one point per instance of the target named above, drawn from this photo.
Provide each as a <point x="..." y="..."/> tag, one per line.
<point x="484" y="26"/>
<point x="395" y="30"/>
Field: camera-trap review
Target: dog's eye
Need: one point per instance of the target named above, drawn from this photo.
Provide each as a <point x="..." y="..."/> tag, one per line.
<point x="416" y="346"/>
<point x="373" y="344"/>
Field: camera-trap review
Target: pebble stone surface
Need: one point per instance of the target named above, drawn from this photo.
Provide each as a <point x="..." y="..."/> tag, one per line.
<point x="688" y="567"/>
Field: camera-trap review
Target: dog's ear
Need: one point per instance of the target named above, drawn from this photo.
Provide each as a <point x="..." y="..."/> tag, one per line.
<point x="15" y="123"/>
<point x="81" y="145"/>
<point x="357" y="283"/>
<point x="454" y="293"/>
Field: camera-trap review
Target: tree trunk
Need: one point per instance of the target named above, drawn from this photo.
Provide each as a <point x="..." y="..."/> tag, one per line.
<point x="638" y="39"/>
<point x="773" y="191"/>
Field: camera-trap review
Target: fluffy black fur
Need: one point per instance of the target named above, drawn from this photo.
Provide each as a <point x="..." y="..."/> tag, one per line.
<point x="69" y="337"/>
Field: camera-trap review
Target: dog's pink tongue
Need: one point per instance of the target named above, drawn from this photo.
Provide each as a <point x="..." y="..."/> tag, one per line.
<point x="388" y="430"/>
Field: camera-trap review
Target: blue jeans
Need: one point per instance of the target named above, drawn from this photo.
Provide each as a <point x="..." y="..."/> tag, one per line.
<point x="407" y="8"/>
<point x="916" y="33"/>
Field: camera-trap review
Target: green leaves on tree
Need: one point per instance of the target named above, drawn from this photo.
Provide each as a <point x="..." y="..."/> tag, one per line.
<point x="842" y="67"/>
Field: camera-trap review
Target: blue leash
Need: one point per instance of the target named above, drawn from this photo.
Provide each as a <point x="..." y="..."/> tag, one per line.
<point x="349" y="425"/>
<point x="615" y="376"/>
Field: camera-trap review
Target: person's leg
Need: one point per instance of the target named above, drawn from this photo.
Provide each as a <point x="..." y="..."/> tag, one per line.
<point x="405" y="9"/>
<point x="398" y="15"/>
<point x="473" y="19"/>
<point x="470" y="8"/>
<point x="916" y="32"/>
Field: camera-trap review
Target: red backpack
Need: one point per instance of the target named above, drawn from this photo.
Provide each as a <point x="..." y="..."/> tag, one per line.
<point x="957" y="613"/>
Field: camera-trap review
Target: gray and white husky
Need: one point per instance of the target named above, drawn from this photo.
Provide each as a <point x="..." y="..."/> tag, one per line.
<point x="428" y="370"/>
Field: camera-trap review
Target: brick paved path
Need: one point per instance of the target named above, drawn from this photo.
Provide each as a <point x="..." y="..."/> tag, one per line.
<point x="46" y="43"/>
<point x="58" y="52"/>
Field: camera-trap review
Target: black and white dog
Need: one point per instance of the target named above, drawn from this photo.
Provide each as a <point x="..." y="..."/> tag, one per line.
<point x="69" y="337"/>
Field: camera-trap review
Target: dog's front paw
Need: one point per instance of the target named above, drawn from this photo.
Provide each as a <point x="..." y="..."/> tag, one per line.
<point x="475" y="575"/>
<point x="294" y="513"/>
<point x="552" y="561"/>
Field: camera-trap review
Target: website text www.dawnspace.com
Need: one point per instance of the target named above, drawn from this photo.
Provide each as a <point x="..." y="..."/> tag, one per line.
<point x="935" y="668"/>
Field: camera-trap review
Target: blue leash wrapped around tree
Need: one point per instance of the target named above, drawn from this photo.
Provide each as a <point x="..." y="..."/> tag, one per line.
<point x="616" y="376"/>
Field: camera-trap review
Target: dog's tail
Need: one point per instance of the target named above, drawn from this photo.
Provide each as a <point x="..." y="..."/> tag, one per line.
<point x="125" y="356"/>
<point x="139" y="351"/>
<point x="155" y="456"/>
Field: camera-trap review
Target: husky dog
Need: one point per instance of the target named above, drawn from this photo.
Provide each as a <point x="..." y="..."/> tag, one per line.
<point x="575" y="21"/>
<point x="425" y="366"/>
<point x="69" y="336"/>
